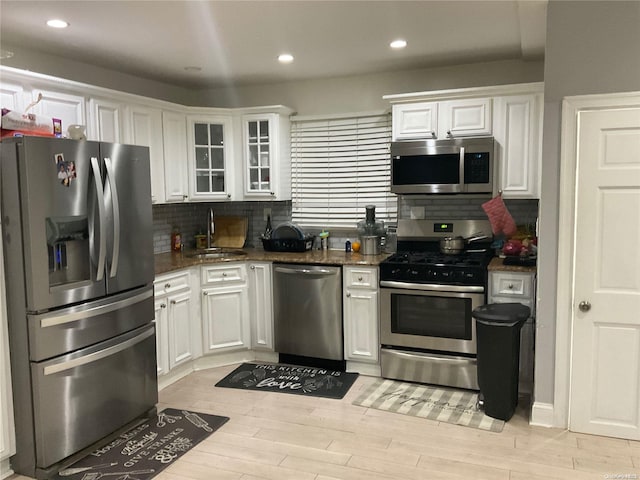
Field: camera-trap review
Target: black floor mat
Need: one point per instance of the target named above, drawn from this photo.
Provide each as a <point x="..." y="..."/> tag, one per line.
<point x="146" y="450"/>
<point x="299" y="380"/>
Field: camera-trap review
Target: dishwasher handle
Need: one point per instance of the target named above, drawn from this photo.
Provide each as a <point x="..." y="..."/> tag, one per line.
<point x="306" y="271"/>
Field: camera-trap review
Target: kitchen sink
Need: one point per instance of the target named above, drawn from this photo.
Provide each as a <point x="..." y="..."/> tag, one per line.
<point x="217" y="252"/>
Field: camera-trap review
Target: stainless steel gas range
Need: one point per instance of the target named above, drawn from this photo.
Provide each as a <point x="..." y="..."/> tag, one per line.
<point x="427" y="332"/>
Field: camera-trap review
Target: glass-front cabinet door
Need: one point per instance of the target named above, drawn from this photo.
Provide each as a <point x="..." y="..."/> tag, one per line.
<point x="260" y="147"/>
<point x="259" y="156"/>
<point x="210" y="158"/>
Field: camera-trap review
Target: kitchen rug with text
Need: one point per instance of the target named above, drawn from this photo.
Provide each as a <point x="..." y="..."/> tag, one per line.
<point x="299" y="380"/>
<point x="147" y="449"/>
<point x="425" y="401"/>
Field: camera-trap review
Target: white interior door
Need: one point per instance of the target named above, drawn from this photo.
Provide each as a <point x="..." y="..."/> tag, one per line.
<point x="605" y="364"/>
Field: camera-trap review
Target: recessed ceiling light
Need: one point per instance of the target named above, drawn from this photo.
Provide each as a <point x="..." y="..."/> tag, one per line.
<point x="285" y="58"/>
<point x="193" y="69"/>
<point x="398" y="44"/>
<point x="56" y="23"/>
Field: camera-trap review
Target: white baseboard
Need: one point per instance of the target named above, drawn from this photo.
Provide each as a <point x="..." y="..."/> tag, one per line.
<point x="542" y="414"/>
<point x="5" y="469"/>
<point x="363" y="368"/>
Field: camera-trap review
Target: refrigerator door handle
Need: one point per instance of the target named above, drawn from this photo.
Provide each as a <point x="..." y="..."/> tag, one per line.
<point x="99" y="355"/>
<point x="51" y="320"/>
<point x="102" y="246"/>
<point x="115" y="205"/>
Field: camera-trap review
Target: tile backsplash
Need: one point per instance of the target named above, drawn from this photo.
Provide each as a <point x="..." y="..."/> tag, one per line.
<point x="191" y="218"/>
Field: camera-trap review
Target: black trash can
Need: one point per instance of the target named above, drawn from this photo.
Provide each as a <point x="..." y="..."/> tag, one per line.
<point x="498" y="328"/>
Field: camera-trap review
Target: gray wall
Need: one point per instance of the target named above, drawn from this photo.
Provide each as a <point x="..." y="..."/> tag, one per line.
<point x="363" y="93"/>
<point x="592" y="47"/>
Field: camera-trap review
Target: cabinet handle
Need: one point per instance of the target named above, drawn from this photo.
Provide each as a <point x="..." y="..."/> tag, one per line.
<point x="163" y="305"/>
<point x="348" y="294"/>
<point x="167" y="285"/>
<point x="252" y="267"/>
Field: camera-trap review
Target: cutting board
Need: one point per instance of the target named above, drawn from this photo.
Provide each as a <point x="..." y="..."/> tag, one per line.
<point x="231" y="232"/>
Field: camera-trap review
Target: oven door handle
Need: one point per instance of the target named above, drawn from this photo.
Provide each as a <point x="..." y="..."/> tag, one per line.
<point x="432" y="287"/>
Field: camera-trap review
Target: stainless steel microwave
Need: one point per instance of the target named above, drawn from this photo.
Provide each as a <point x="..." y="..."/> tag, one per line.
<point x="457" y="165"/>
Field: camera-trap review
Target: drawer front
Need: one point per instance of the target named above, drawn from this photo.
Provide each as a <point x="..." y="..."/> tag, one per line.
<point x="224" y="274"/>
<point x="361" y="277"/>
<point x="171" y="283"/>
<point x="510" y="284"/>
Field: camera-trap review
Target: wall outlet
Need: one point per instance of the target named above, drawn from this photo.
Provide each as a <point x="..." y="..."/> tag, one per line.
<point x="265" y="213"/>
<point x="417" y="213"/>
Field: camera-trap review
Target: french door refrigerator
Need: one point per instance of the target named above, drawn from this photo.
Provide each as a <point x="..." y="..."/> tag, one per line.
<point x="78" y="245"/>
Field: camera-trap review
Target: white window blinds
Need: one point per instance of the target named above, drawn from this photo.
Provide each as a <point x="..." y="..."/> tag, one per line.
<point x="338" y="166"/>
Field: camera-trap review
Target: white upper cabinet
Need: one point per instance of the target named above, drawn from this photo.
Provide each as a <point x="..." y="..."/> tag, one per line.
<point x="518" y="134"/>
<point x="210" y="157"/>
<point x="144" y="127"/>
<point x="469" y="117"/>
<point x="466" y="117"/>
<point x="106" y="119"/>
<point x="67" y="107"/>
<point x="415" y="120"/>
<point x="266" y="155"/>
<point x="12" y="96"/>
<point x="174" y="137"/>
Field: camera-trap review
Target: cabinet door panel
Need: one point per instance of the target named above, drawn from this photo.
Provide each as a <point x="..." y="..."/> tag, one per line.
<point x="418" y="120"/>
<point x="105" y="121"/>
<point x="361" y="330"/>
<point x="145" y="128"/>
<point x="225" y="318"/>
<point x="162" y="340"/>
<point x="180" y="342"/>
<point x="261" y="306"/>
<point x="174" y="136"/>
<point x="466" y="117"/>
<point x="68" y="108"/>
<point x="12" y="97"/>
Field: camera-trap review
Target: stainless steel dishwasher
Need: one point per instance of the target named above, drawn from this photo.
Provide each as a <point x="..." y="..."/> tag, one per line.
<point x="308" y="311"/>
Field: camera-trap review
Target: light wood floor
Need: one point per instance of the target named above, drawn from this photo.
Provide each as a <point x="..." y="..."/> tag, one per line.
<point x="280" y="436"/>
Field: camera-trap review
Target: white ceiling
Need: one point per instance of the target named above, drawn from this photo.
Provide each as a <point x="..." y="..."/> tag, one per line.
<point x="237" y="42"/>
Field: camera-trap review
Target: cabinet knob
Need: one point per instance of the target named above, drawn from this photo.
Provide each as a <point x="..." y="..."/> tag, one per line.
<point x="224" y="274"/>
<point x="510" y="286"/>
<point x="449" y="134"/>
<point x="184" y="197"/>
<point x="163" y="305"/>
<point x="205" y="293"/>
<point x="252" y="267"/>
<point x="584" y="306"/>
<point x="433" y="134"/>
<point x="272" y="193"/>
<point x="167" y="285"/>
<point x="228" y="195"/>
<point x="359" y="279"/>
<point x="173" y="302"/>
<point x="348" y="294"/>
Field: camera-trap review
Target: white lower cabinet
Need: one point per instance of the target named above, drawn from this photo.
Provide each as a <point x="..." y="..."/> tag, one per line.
<point x="361" y="307"/>
<point x="519" y="287"/>
<point x="261" y="305"/>
<point x="225" y="308"/>
<point x="176" y="321"/>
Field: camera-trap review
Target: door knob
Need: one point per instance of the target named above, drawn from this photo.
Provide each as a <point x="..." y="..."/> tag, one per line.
<point x="584" y="306"/>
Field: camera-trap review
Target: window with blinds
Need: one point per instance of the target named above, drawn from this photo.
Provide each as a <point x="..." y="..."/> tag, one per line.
<point x="338" y="166"/>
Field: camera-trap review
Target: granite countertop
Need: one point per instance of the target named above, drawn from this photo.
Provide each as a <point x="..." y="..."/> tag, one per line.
<point x="167" y="262"/>
<point x="497" y="265"/>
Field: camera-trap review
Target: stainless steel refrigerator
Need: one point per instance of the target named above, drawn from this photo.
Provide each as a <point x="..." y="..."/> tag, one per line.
<point x="78" y="245"/>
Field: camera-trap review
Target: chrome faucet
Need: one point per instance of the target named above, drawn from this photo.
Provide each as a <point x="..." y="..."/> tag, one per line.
<point x="211" y="228"/>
